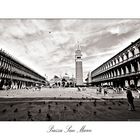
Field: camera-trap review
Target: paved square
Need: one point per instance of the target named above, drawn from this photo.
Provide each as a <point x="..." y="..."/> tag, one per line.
<point x="67" y="104"/>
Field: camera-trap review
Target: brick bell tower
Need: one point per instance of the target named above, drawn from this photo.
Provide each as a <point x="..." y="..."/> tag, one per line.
<point x="78" y="66"/>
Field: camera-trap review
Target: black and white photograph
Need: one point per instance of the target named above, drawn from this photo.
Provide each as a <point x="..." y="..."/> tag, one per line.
<point x="69" y="69"/>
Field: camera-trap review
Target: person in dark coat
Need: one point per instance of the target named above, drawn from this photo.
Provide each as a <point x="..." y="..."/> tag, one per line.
<point x="130" y="99"/>
<point x="105" y="92"/>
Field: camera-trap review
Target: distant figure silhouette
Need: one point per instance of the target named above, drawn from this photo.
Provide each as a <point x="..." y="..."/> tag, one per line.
<point x="100" y="89"/>
<point x="130" y="99"/>
<point x="79" y="89"/>
<point x="105" y="92"/>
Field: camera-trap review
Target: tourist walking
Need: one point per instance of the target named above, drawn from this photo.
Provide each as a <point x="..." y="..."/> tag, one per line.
<point x="100" y="89"/>
<point x="79" y="89"/>
<point x="130" y="99"/>
<point x="105" y="91"/>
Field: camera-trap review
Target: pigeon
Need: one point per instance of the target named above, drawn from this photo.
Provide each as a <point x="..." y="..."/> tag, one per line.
<point x="80" y="103"/>
<point x="113" y="103"/>
<point x="49" y="106"/>
<point x="29" y="114"/>
<point x="4" y="110"/>
<point x="16" y="110"/>
<point x="14" y="119"/>
<point x="65" y="107"/>
<point x="121" y="102"/>
<point x="94" y="103"/>
<point x="104" y="103"/>
<point x="109" y="108"/>
<point x="48" y="117"/>
<point x="74" y="111"/>
<point x="39" y="111"/>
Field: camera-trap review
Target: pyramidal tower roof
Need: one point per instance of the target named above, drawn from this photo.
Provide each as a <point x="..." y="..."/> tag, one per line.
<point x="78" y="46"/>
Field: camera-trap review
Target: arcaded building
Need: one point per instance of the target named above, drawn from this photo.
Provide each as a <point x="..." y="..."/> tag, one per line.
<point x="15" y="75"/>
<point x="122" y="70"/>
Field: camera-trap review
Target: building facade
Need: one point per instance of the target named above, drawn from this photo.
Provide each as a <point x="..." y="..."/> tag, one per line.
<point x="78" y="67"/>
<point x="64" y="81"/>
<point x="122" y="70"/>
<point x="15" y="75"/>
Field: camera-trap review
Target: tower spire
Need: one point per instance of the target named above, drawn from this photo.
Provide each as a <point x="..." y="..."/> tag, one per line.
<point x="78" y="46"/>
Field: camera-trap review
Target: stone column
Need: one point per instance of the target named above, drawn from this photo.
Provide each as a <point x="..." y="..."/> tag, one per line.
<point x="122" y="71"/>
<point x="136" y="50"/>
<point x="24" y="85"/>
<point x="107" y="75"/>
<point x="138" y="64"/>
<point x="111" y="73"/>
<point x="114" y="73"/>
<point x="138" y="83"/>
<point x="108" y="83"/>
<point x="117" y="61"/>
<point x="120" y="58"/>
<point x="132" y="68"/>
<point x="113" y="62"/>
<point x="130" y="54"/>
<point x="106" y="66"/>
<point x="0" y="60"/>
<point x="12" y="86"/>
<point x="127" y="70"/>
<point x="124" y="56"/>
<point x="118" y="72"/>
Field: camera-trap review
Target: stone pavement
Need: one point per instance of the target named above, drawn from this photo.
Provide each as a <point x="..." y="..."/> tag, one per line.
<point x="30" y="105"/>
<point x="61" y="93"/>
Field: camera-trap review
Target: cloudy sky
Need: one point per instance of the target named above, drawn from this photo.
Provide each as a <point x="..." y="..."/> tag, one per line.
<point x="48" y="46"/>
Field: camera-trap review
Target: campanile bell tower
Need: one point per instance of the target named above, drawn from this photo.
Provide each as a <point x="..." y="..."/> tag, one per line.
<point x="78" y="66"/>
